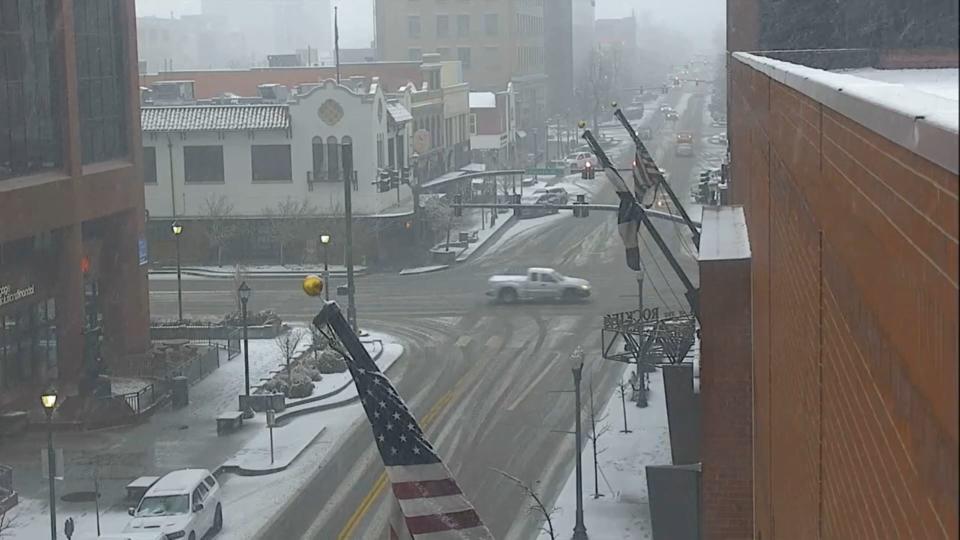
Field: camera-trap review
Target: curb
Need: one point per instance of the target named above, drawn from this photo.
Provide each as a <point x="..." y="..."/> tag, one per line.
<point x="237" y="469"/>
<point x="511" y="221"/>
<point x="223" y="275"/>
<point x="437" y="268"/>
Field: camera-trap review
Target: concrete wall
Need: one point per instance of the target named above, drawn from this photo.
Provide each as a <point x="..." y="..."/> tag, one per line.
<point x="855" y="321"/>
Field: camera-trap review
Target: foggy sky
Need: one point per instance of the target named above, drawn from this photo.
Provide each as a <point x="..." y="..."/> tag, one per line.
<point x="696" y="18"/>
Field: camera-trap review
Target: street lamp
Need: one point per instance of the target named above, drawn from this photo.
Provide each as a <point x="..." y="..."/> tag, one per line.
<point x="325" y="240"/>
<point x="177" y="229"/>
<point x="244" y="293"/>
<point x="49" y="401"/>
<point x="579" y="530"/>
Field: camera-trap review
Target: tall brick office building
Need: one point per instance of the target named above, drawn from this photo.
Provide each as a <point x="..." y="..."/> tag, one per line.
<point x="73" y="292"/>
<point x="846" y="164"/>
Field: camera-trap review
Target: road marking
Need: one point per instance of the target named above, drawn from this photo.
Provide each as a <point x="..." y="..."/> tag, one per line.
<point x="543" y="373"/>
<point x="381" y="482"/>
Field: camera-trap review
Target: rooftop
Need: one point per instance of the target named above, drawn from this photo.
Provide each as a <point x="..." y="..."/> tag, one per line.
<point x="914" y="108"/>
<point x="483" y="100"/>
<point x="724" y="235"/>
<point x="214" y="118"/>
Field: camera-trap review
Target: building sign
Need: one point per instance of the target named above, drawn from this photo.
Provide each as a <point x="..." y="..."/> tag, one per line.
<point x="9" y="295"/>
<point x="142" y="250"/>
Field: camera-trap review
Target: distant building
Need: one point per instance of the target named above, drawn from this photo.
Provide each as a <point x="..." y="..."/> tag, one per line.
<point x="73" y="281"/>
<point x="493" y="128"/>
<point x="191" y="42"/>
<point x="619" y="38"/>
<point x="257" y="156"/>
<point x="276" y="26"/>
<point x="356" y="56"/>
<point x="496" y="41"/>
<point x="568" y="39"/>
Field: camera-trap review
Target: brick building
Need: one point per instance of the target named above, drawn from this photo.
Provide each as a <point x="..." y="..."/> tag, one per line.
<point x="847" y="171"/>
<point x="73" y="290"/>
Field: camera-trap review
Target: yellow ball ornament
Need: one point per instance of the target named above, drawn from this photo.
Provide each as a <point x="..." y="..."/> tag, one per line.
<point x="312" y="285"/>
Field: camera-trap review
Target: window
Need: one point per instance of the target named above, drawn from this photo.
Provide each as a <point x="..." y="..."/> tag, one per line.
<point x="444" y="53"/>
<point x="202" y="164"/>
<point x="101" y="78"/>
<point x="347" y="159"/>
<point x="448" y="124"/>
<point x="149" y="165"/>
<point x="318" y="171"/>
<point x="492" y="56"/>
<point x="547" y="278"/>
<point x="29" y="121"/>
<point x="491" y="24"/>
<point x="210" y="481"/>
<point x="473" y="124"/>
<point x="463" y="25"/>
<point x="443" y="25"/>
<point x="414" y="54"/>
<point x="413" y="26"/>
<point x="463" y="54"/>
<point x="333" y="159"/>
<point x="271" y="162"/>
<point x="392" y="154"/>
<point x="401" y="148"/>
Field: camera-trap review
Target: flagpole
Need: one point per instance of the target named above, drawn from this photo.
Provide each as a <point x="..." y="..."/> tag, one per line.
<point x="336" y="42"/>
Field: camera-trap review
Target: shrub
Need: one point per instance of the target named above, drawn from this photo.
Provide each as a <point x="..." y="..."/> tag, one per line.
<point x="331" y="362"/>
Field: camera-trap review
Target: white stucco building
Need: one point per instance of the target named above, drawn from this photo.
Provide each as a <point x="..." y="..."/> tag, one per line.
<point x="260" y="157"/>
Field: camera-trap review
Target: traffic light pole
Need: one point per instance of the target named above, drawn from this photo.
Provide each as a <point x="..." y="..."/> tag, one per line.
<point x="348" y="229"/>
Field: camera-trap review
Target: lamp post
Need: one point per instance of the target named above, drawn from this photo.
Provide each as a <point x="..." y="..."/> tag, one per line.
<point x="49" y="401"/>
<point x="244" y="292"/>
<point x="325" y="241"/>
<point x="579" y="530"/>
<point x="177" y="229"/>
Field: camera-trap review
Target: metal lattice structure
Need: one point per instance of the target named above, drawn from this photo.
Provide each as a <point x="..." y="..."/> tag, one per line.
<point x="643" y="338"/>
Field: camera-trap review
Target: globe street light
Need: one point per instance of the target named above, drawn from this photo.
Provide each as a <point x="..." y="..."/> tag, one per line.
<point x="49" y="401"/>
<point x="579" y="530"/>
<point x="177" y="229"/>
<point x="244" y="293"/>
<point x="325" y="240"/>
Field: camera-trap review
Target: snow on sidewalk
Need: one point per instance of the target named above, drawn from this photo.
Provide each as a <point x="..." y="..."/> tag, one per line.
<point x="623" y="511"/>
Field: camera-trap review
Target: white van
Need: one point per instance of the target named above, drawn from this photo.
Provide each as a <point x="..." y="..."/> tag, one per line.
<point x="183" y="504"/>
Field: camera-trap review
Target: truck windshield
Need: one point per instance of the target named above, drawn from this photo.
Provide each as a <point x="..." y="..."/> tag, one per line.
<point x="163" y="506"/>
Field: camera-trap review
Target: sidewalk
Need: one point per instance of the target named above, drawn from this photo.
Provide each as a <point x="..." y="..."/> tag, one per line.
<point x="263" y="271"/>
<point x="174" y="439"/>
<point x="623" y="510"/>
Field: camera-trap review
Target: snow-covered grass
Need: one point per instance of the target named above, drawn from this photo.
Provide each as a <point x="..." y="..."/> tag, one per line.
<point x="623" y="511"/>
<point x="423" y="269"/>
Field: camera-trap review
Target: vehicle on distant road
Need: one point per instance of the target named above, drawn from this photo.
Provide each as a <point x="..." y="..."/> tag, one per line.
<point x="183" y="504"/>
<point x="579" y="160"/>
<point x="537" y="284"/>
<point x="671" y="115"/>
<point x="645" y="134"/>
<point x="684" y="137"/>
<point x="684" y="150"/>
<point x="719" y="139"/>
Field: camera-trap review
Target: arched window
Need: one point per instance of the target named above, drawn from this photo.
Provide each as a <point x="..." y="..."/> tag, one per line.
<point x="333" y="159"/>
<point x="319" y="173"/>
<point x="346" y="151"/>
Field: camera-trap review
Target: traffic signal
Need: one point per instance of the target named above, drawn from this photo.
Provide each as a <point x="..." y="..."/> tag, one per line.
<point x="587" y="172"/>
<point x="579" y="209"/>
<point x="457" y="209"/>
<point x="515" y="199"/>
<point x="405" y="175"/>
<point x="383" y="181"/>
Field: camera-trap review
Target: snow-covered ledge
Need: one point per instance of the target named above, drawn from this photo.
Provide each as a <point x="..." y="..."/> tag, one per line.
<point x="923" y="122"/>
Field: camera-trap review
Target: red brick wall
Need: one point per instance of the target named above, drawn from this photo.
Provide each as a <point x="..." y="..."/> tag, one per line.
<point x="244" y="82"/>
<point x="855" y="272"/>
<point x="726" y="380"/>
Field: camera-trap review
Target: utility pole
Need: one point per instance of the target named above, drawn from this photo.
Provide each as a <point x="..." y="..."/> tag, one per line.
<point x="579" y="529"/>
<point x="336" y="42"/>
<point x="348" y="229"/>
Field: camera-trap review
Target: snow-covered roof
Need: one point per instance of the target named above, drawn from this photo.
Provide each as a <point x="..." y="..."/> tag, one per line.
<point x="916" y="109"/>
<point x="214" y="118"/>
<point x="723" y="234"/>
<point x="398" y="112"/>
<point x="483" y="100"/>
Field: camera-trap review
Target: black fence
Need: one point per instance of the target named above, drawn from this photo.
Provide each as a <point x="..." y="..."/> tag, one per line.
<point x="141" y="400"/>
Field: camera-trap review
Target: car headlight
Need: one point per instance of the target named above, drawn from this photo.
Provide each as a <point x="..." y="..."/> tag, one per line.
<point x="585" y="287"/>
<point x="175" y="535"/>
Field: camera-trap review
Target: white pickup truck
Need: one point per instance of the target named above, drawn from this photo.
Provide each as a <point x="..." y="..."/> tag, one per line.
<point x="537" y="284"/>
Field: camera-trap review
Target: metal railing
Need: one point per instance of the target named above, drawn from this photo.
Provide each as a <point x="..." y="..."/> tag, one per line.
<point x="142" y="399"/>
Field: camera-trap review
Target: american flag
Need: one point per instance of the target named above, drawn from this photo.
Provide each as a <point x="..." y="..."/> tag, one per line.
<point x="428" y="503"/>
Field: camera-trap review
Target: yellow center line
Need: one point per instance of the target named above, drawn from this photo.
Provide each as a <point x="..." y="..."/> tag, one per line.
<point x="381" y="482"/>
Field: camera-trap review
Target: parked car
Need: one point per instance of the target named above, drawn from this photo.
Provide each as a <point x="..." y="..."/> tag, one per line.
<point x="537" y="284"/>
<point x="559" y="193"/>
<point x="578" y="160"/>
<point x="684" y="150"/>
<point x="182" y="504"/>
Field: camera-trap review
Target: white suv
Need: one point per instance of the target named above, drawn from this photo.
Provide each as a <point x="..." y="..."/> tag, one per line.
<point x="183" y="504"/>
<point x="579" y="160"/>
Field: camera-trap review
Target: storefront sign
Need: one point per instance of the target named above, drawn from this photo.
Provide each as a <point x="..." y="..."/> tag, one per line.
<point x="9" y="295"/>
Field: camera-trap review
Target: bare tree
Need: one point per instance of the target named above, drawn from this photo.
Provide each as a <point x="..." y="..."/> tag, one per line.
<point x="598" y="82"/>
<point x="538" y="505"/>
<point x="287" y="221"/>
<point x="594" y="436"/>
<point x="439" y="217"/>
<point x="220" y="228"/>
<point x="287" y="344"/>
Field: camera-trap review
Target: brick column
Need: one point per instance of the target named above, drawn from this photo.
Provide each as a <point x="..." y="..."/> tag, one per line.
<point x="726" y="376"/>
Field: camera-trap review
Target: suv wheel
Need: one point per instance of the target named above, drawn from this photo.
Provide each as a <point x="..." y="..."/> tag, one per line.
<point x="218" y="519"/>
<point x="507" y="296"/>
<point x="568" y="295"/>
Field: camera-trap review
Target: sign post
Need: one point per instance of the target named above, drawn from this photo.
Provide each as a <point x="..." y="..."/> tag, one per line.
<point x="271" y="422"/>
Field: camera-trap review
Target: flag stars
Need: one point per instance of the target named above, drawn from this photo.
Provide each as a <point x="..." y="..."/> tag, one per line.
<point x="403" y="438"/>
<point x="393" y="450"/>
<point x="416" y="450"/>
<point x="396" y="416"/>
<point x="410" y="426"/>
<point x="381" y="438"/>
<point x="383" y="404"/>
<point x="389" y="426"/>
